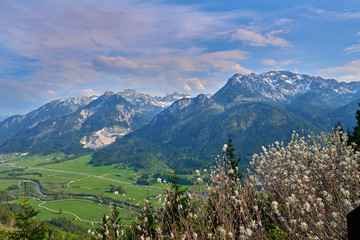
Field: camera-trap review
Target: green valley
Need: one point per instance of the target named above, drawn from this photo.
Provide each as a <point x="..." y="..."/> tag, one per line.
<point x="75" y="189"/>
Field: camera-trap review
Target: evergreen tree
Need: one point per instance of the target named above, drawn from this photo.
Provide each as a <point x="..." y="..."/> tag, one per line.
<point x="176" y="200"/>
<point x="27" y="228"/>
<point x="231" y="161"/>
<point x="354" y="136"/>
<point x="338" y="126"/>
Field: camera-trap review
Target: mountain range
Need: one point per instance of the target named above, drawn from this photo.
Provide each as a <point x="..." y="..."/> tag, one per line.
<point x="75" y="124"/>
<point x="181" y="132"/>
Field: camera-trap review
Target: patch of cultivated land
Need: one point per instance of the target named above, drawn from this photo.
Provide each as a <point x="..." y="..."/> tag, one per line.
<point x="74" y="187"/>
<point x="81" y="212"/>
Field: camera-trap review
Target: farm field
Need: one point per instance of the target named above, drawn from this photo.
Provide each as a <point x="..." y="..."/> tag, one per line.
<point x="72" y="188"/>
<point x="73" y="209"/>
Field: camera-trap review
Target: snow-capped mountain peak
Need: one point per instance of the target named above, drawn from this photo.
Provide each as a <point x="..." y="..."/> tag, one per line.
<point x="282" y="86"/>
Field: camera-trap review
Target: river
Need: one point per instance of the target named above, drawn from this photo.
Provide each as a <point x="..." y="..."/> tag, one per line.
<point x="37" y="187"/>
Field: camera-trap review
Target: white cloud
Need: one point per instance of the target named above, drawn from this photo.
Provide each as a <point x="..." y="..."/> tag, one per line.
<point x="347" y="73"/>
<point x="258" y="39"/>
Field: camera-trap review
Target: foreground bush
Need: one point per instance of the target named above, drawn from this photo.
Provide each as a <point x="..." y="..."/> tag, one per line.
<point x="299" y="191"/>
<point x="312" y="183"/>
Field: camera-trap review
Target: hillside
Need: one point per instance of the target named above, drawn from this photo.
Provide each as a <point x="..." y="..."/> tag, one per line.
<point x="190" y="132"/>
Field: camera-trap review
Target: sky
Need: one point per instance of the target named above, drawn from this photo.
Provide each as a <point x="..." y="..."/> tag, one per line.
<point x="72" y="48"/>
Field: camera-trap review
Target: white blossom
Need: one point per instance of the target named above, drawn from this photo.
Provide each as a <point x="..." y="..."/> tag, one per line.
<point x="333" y="224"/>
<point x="304" y="226"/>
<point x="225" y="147"/>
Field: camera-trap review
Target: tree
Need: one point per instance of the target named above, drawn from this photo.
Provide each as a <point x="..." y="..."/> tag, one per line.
<point x="176" y="201"/>
<point x="338" y="127"/>
<point x="230" y="160"/>
<point x="354" y="136"/>
<point x="27" y="227"/>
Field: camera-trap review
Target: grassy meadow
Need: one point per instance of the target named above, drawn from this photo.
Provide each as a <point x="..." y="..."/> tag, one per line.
<point x="73" y="187"/>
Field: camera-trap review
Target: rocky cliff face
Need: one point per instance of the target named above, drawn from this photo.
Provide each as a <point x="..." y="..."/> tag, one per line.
<point x="103" y="137"/>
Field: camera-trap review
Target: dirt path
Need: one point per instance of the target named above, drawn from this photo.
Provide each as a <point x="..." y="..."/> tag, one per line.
<point x="71" y="213"/>
<point x="57" y="211"/>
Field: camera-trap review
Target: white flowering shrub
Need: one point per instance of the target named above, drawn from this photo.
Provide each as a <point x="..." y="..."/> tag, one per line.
<point x="110" y="227"/>
<point x="219" y="209"/>
<point x="311" y="184"/>
<point x="299" y="191"/>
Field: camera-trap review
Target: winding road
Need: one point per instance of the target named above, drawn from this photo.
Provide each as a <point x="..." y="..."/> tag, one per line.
<point x="95" y="176"/>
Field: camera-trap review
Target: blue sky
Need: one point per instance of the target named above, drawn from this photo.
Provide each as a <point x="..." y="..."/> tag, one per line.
<point x="62" y="48"/>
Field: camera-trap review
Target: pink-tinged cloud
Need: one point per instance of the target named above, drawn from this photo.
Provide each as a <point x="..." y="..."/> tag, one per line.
<point x="41" y="29"/>
<point x="287" y="62"/>
<point x="89" y="92"/>
<point x="258" y="39"/>
<point x="194" y="82"/>
<point x="223" y="61"/>
<point x="167" y="71"/>
<point x="336" y="15"/>
<point x="347" y="73"/>
<point x="277" y="65"/>
<point x="353" y="48"/>
<point x="269" y="62"/>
